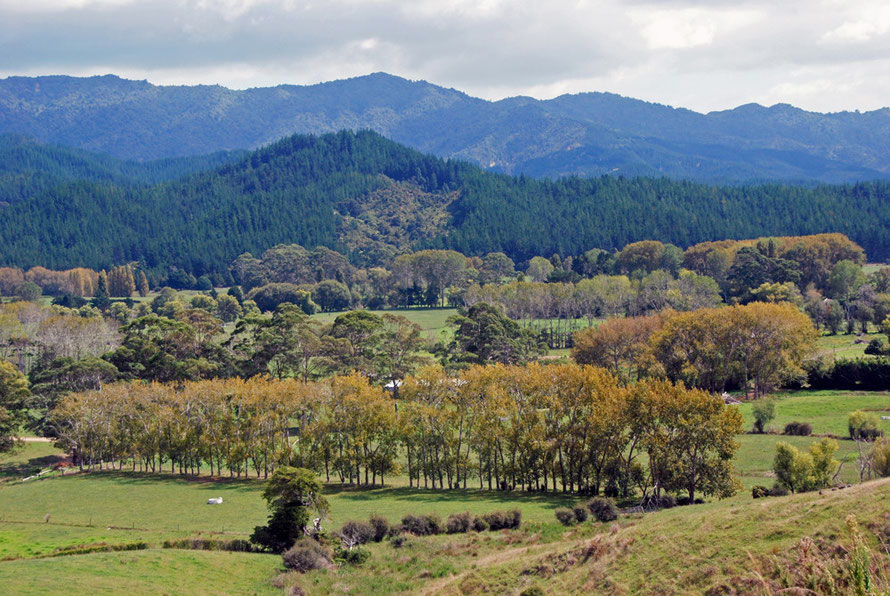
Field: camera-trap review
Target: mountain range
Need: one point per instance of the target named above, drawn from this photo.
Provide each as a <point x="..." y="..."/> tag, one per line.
<point x="583" y="134"/>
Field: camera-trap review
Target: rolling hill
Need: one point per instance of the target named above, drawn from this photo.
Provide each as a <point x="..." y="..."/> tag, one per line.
<point x="372" y="198"/>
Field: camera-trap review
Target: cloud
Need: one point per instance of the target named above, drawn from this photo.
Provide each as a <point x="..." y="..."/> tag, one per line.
<point x="823" y="54"/>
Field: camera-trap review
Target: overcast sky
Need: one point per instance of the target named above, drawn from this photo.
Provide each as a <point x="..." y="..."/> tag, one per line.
<point x="824" y="55"/>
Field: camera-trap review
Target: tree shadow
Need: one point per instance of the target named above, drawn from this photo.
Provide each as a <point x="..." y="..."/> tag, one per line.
<point x="30" y="467"/>
<point x="468" y="496"/>
<point x="123" y="477"/>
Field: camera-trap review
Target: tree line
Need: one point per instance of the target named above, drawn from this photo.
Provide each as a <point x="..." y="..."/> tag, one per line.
<point x="560" y="428"/>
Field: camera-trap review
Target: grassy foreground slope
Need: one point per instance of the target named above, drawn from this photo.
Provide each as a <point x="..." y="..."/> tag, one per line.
<point x="732" y="547"/>
<point x="758" y="547"/>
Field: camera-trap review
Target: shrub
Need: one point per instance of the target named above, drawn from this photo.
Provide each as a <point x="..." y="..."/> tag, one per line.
<point x="800" y="471"/>
<point x="603" y="509"/>
<point x="234" y="545"/>
<point x="422" y="525"/>
<point x="764" y="410"/>
<point x="479" y="524"/>
<point x="880" y="453"/>
<point x="863" y="426"/>
<point x="580" y="514"/>
<point x="800" y="429"/>
<point x="434" y="524"/>
<point x="381" y="527"/>
<point x="688" y="501"/>
<point x="397" y="541"/>
<point x="778" y="491"/>
<point x="459" y="523"/>
<point x="352" y="556"/>
<point x="306" y="555"/>
<point x="496" y="520"/>
<point x="354" y="533"/>
<point x="565" y="516"/>
<point x="759" y="492"/>
<point x="504" y="520"/>
<point x="876" y="347"/>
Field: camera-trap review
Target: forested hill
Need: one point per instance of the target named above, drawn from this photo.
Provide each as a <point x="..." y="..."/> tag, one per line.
<point x="28" y="167"/>
<point x="371" y="198"/>
<point x="583" y="134"/>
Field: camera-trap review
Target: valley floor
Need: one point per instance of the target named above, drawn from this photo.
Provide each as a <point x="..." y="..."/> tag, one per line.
<point x="735" y="546"/>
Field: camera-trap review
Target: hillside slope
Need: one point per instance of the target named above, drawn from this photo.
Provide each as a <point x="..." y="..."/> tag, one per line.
<point x="584" y="134"/>
<point x="28" y="167"/>
<point x="372" y="198"/>
<point x="801" y="543"/>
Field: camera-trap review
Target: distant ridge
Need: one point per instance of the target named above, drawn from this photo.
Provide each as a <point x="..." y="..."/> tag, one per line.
<point x="583" y="134"/>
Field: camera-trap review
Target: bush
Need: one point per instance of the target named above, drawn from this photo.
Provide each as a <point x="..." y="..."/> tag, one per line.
<point x="496" y="520"/>
<point x="381" y="527"/>
<point x="306" y="555"/>
<point x="397" y="541"/>
<point x="764" y="410"/>
<point x="876" y="347"/>
<point x="880" y="453"/>
<point x="778" y="491"/>
<point x="234" y="545"/>
<point x="759" y="492"/>
<point x="863" y="426"/>
<point x="459" y="523"/>
<point x="479" y="524"/>
<point x="353" y="556"/>
<point x="422" y="525"/>
<point x="565" y="516"/>
<point x="354" y="533"/>
<point x="603" y="509"/>
<point x="581" y="514"/>
<point x="504" y="520"/>
<point x="799" y="429"/>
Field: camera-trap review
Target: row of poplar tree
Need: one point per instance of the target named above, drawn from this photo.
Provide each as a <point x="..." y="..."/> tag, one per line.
<point x="539" y="427"/>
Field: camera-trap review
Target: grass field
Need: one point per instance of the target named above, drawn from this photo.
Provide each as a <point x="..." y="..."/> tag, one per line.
<point x="754" y="459"/>
<point x="28" y="459"/>
<point x="844" y="346"/>
<point x="431" y="320"/>
<point x="827" y="411"/>
<point x="678" y="551"/>
<point x="143" y="572"/>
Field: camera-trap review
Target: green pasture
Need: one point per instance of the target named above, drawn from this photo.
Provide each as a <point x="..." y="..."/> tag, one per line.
<point x="827" y="411"/>
<point x="844" y="346"/>
<point x="143" y="572"/>
<point x="44" y="516"/>
<point x="431" y="320"/>
<point x="28" y="459"/>
<point x="754" y="459"/>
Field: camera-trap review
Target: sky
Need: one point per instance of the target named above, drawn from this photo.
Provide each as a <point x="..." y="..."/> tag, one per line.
<point x="821" y="55"/>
